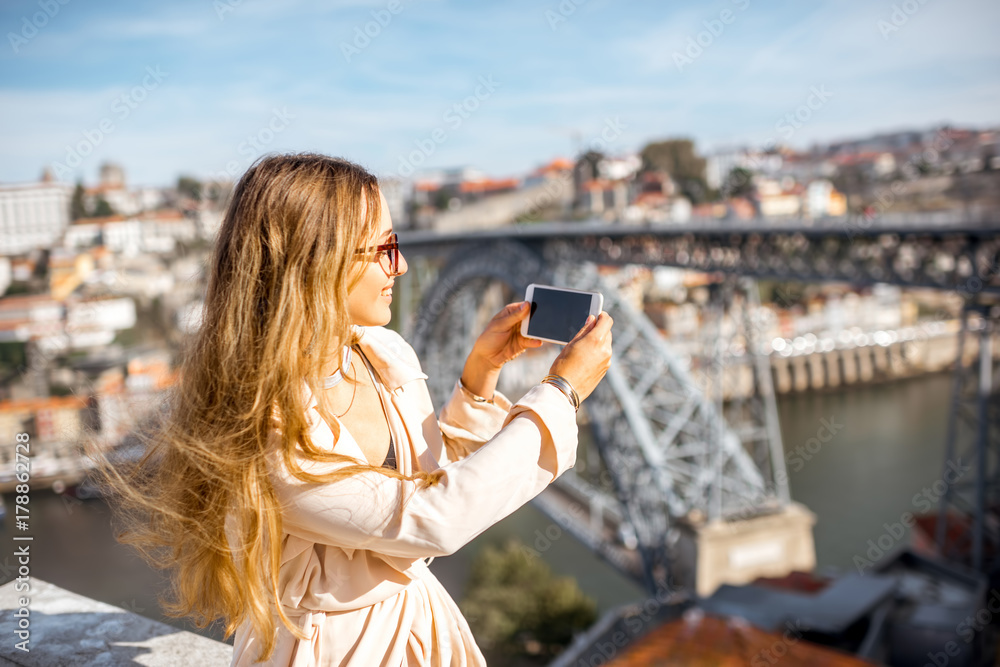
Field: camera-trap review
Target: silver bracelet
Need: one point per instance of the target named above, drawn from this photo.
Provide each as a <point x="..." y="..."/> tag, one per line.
<point x="475" y="397"/>
<point x="563" y="385"/>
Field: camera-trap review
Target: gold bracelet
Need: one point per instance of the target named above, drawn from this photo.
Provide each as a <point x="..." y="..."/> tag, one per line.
<point x="563" y="385"/>
<point x="475" y="397"/>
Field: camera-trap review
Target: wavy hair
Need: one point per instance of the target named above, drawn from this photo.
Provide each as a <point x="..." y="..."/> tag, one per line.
<point x="275" y="316"/>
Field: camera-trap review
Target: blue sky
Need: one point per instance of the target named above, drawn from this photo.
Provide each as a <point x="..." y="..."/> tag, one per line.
<point x="558" y="73"/>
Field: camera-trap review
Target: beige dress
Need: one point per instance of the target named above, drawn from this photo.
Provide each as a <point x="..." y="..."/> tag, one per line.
<point x="354" y="570"/>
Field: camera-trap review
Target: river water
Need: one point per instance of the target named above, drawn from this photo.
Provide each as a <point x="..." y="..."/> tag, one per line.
<point x="888" y="446"/>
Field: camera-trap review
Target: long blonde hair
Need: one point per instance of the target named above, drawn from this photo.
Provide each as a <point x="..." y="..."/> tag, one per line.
<point x="275" y="316"/>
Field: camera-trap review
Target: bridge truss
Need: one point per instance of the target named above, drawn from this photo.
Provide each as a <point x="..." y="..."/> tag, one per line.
<point x="672" y="447"/>
<point x="650" y="483"/>
<point x="947" y="256"/>
<point x="967" y="528"/>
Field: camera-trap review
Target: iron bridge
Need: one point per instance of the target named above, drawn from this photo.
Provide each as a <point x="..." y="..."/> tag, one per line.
<point x="675" y="445"/>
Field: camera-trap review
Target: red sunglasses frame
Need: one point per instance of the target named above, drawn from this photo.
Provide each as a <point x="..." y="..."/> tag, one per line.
<point x="392" y="251"/>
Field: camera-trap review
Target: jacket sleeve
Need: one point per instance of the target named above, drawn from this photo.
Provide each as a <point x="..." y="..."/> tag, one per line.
<point x="466" y="424"/>
<point x="536" y="444"/>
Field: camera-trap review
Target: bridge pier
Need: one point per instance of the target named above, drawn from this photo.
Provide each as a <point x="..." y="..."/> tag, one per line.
<point x="881" y="360"/>
<point x="831" y="361"/>
<point x="866" y="372"/>
<point x="782" y="376"/>
<point x="848" y="365"/>
<point x="817" y="378"/>
<point x="800" y="374"/>
<point x="897" y="362"/>
<point x="741" y="550"/>
<point x="739" y="382"/>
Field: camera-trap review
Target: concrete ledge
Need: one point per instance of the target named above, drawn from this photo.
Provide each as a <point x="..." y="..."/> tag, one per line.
<point x="69" y="629"/>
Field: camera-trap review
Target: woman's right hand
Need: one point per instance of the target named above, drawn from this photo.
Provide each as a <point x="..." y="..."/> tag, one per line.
<point x="585" y="359"/>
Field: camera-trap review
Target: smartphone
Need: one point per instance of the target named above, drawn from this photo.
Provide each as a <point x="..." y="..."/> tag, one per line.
<point x="557" y="314"/>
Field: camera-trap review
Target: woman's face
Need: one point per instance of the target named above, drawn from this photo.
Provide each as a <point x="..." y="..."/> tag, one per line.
<point x="368" y="302"/>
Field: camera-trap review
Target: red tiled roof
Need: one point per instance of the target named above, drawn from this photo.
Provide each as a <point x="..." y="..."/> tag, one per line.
<point x="22" y="300"/>
<point x="707" y="640"/>
<point x="488" y="185"/>
<point x="559" y="164"/>
<point x="163" y="214"/>
<point x="650" y="198"/>
<point x="48" y="402"/>
<point x="98" y="221"/>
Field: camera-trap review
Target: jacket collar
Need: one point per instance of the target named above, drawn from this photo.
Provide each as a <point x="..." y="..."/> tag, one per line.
<point x="385" y="350"/>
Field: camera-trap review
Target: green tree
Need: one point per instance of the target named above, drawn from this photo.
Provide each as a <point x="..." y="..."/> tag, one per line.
<point x="102" y="208"/>
<point x="189" y="187"/>
<point x="518" y="610"/>
<point x="216" y="192"/>
<point x="77" y="205"/>
<point x="852" y="180"/>
<point x="592" y="159"/>
<point x="13" y="356"/>
<point x="678" y="158"/>
<point x="738" y="183"/>
<point x="441" y="199"/>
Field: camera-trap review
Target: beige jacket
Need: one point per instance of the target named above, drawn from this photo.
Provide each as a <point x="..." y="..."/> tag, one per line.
<point x="354" y="573"/>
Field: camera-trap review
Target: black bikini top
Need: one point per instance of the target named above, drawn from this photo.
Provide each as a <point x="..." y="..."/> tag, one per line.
<point x="390" y="457"/>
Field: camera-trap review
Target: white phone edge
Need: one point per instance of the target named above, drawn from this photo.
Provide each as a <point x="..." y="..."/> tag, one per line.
<point x="596" y="306"/>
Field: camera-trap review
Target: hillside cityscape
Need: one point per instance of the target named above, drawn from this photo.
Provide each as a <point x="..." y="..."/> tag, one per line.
<point x="101" y="282"/>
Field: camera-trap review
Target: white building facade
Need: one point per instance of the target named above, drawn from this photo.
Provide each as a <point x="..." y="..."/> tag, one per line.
<point x="32" y="215"/>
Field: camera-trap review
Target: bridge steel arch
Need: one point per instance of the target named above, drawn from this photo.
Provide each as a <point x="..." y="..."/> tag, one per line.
<point x="667" y="450"/>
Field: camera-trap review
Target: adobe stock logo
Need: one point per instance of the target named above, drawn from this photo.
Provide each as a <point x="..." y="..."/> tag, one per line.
<point x="899" y="17"/>
<point x="363" y="35"/>
<point x="122" y="107"/>
<point x="31" y="25"/>
<point x="562" y="12"/>
<point x="454" y="117"/>
<point x="925" y="502"/>
<point x="256" y="142"/>
<point x="699" y="43"/>
<point x="817" y="99"/>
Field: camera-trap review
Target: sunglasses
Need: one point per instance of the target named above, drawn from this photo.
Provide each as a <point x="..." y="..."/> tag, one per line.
<point x="389" y="250"/>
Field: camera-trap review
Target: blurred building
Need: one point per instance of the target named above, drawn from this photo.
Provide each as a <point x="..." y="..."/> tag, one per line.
<point x="396" y="193"/>
<point x="823" y="200"/>
<point x="45" y="420"/>
<point x="780" y="199"/>
<point x="6" y="274"/>
<point x="604" y="185"/>
<point x="32" y="215"/>
<point x="68" y="270"/>
<point x="123" y="201"/>
<point x="56" y="326"/>
<point x="154" y="231"/>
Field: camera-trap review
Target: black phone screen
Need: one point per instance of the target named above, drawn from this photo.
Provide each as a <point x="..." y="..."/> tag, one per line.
<point x="557" y="315"/>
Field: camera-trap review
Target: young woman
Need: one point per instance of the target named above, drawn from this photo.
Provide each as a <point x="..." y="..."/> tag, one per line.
<point x="301" y="482"/>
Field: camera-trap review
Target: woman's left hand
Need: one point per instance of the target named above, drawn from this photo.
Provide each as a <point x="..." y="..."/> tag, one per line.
<point x="501" y="340"/>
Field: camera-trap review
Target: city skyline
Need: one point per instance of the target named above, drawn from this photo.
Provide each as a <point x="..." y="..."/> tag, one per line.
<point x="198" y="88"/>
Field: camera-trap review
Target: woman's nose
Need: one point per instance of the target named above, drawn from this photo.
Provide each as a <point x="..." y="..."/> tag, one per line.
<point x="402" y="264"/>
